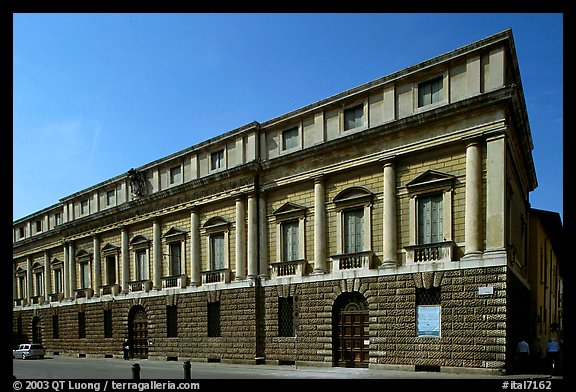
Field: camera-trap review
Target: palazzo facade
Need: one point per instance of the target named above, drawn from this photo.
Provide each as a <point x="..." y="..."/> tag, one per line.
<point x="383" y="227"/>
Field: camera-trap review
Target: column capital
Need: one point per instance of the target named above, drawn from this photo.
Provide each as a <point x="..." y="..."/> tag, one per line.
<point x="318" y="178"/>
<point x="388" y="160"/>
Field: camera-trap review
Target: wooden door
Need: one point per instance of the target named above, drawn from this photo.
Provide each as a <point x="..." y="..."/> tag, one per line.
<point x="139" y="334"/>
<point x="353" y="338"/>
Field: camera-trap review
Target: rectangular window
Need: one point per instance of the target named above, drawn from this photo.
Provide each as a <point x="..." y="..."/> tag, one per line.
<point x="38" y="226"/>
<point x="110" y="198"/>
<point x="214" y="319"/>
<point x="290" y="139"/>
<point x="430" y="92"/>
<point x="111" y="269"/>
<point x="140" y="265"/>
<point x="84" y="207"/>
<point x="57" y="281"/>
<point x="175" y="175"/>
<point x="430" y="219"/>
<point x="39" y="283"/>
<point x="108" y="323"/>
<point x="175" y="258"/>
<point x="428" y="311"/>
<point x="55" y="327"/>
<point x="21" y="232"/>
<point x="57" y="219"/>
<point x="81" y="324"/>
<point x="290" y="240"/>
<point x="84" y="275"/>
<point x="171" y="321"/>
<point x="217" y="160"/>
<point x="285" y="316"/>
<point x="354" y="230"/>
<point x="353" y="117"/>
<point x="22" y="286"/>
<point x="217" y="251"/>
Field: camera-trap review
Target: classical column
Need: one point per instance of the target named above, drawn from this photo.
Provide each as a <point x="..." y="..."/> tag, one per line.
<point x="390" y="228"/>
<point x="263" y="243"/>
<point x="125" y="260"/>
<point x="495" y="193"/>
<point x="195" y="279"/>
<point x="97" y="266"/>
<point x="66" y="272"/>
<point x="472" y="220"/>
<point x="29" y="274"/>
<point x="47" y="277"/>
<point x="319" y="226"/>
<point x="72" y="268"/>
<point x="240" y="240"/>
<point x="252" y="236"/>
<point x="157" y="254"/>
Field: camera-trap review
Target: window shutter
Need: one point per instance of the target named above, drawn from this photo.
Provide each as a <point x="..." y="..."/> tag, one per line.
<point x="218" y="251"/>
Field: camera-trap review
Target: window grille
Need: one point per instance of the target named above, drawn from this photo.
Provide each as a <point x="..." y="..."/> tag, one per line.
<point x="108" y="323"/>
<point x="172" y="321"/>
<point x="285" y="316"/>
<point x="55" y="327"/>
<point x="429" y="296"/>
<point x="81" y="324"/>
<point x="214" y="319"/>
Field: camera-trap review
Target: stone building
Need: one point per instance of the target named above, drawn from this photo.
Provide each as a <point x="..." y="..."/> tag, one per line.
<point x="382" y="227"/>
<point x="545" y="279"/>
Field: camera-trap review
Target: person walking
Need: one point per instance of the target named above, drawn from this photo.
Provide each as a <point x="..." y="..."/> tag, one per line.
<point x="523" y="353"/>
<point x="126" y="349"/>
<point x="552" y="353"/>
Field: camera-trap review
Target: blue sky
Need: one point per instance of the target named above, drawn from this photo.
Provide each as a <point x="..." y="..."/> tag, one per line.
<point x="97" y="94"/>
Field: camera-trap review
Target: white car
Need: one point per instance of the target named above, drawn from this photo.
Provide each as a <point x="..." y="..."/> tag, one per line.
<point x="29" y="350"/>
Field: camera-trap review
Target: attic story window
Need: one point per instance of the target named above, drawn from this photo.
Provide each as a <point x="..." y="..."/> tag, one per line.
<point x="217" y="160"/>
<point x="353" y="117"/>
<point x="430" y="92"/>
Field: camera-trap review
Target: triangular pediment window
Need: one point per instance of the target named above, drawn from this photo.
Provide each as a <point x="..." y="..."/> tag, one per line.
<point x="109" y="248"/>
<point x="290" y="209"/>
<point x="174" y="232"/>
<point x="429" y="180"/>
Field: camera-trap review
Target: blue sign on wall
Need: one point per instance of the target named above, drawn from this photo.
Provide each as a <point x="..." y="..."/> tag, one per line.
<point x="428" y="320"/>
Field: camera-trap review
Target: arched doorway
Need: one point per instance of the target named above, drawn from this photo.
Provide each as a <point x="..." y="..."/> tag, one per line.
<point x="36" y="330"/>
<point x="138" y="332"/>
<point x="351" y="331"/>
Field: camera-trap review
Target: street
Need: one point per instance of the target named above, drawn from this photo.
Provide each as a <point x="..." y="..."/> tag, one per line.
<point x="61" y="367"/>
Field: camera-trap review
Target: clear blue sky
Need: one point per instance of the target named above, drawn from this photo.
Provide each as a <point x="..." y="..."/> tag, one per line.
<point x="97" y="94"/>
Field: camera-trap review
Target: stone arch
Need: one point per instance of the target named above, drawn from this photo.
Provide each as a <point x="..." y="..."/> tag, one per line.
<point x="350" y="330"/>
<point x="138" y="332"/>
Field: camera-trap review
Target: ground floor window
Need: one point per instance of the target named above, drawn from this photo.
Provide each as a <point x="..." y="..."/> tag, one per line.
<point x="428" y="311"/>
<point x="214" y="319"/>
<point x="285" y="316"/>
<point x="81" y="324"/>
<point x="108" y="323"/>
<point x="55" y="327"/>
<point x="171" y="321"/>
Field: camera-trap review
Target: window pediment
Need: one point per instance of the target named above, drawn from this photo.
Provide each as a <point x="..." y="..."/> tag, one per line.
<point x="174" y="234"/>
<point x="109" y="248"/>
<point x="290" y="210"/>
<point x="56" y="263"/>
<point x="431" y="180"/>
<point x="216" y="223"/>
<point x="82" y="255"/>
<point x="139" y="240"/>
<point x="354" y="196"/>
<point x="36" y="267"/>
